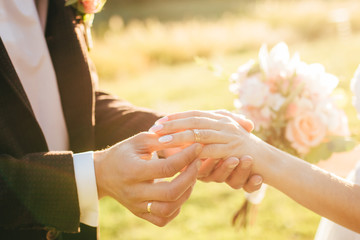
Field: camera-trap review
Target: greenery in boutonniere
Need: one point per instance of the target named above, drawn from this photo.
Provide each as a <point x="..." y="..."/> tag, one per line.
<point x="86" y="10"/>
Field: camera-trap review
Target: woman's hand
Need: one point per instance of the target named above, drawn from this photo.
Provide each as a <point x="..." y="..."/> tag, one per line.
<point x="320" y="191"/>
<point x="219" y="130"/>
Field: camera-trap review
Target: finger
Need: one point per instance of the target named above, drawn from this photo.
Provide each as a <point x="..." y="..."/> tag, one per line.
<point x="167" y="152"/>
<point x="241" y="119"/>
<point x="162" y="168"/>
<point x="221" y="173"/>
<point x="166" y="209"/>
<point x="222" y="151"/>
<point x="158" y="221"/>
<point x="202" y="136"/>
<point x="247" y="124"/>
<point x="207" y="166"/>
<point x="170" y="191"/>
<point x="190" y="114"/>
<point x="240" y="175"/>
<point x="145" y="143"/>
<point x="253" y="184"/>
<point x="182" y="124"/>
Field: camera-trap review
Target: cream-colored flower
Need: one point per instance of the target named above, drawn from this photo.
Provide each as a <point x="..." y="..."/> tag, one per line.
<point x="240" y="76"/>
<point x="355" y="88"/>
<point x="253" y="92"/>
<point x="318" y="83"/>
<point x="275" y="101"/>
<point x="334" y="118"/>
<point x="277" y="64"/>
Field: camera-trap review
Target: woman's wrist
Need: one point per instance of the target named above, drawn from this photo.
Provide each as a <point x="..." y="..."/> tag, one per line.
<point x="269" y="162"/>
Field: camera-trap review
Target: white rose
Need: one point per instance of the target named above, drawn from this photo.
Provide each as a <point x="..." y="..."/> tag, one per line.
<point x="317" y="81"/>
<point x="275" y="101"/>
<point x="240" y="76"/>
<point x="277" y="63"/>
<point x="253" y="92"/>
<point x="335" y="119"/>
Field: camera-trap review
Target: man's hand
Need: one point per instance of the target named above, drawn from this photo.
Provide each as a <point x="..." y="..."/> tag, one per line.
<point x="126" y="173"/>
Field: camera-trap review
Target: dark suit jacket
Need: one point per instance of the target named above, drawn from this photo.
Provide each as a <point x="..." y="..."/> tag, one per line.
<point x="37" y="187"/>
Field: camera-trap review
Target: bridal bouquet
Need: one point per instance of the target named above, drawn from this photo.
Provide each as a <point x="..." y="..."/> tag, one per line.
<point x="291" y="105"/>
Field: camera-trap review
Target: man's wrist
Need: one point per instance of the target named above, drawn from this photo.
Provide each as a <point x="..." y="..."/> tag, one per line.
<point x="99" y="157"/>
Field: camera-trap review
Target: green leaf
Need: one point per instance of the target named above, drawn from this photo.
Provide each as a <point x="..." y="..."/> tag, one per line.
<point x="325" y="150"/>
<point x="318" y="153"/>
<point x="88" y="19"/>
<point x="291" y="98"/>
<point x="341" y="144"/>
<point x="70" y="2"/>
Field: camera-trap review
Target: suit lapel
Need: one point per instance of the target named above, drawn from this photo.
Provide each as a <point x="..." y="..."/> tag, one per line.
<point x="72" y="72"/>
<point x="20" y="133"/>
<point x="8" y="72"/>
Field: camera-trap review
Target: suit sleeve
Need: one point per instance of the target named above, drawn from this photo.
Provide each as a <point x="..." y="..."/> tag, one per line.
<point x="116" y="120"/>
<point x="38" y="191"/>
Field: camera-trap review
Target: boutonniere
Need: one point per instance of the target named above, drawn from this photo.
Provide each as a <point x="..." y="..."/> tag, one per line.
<point x="86" y="10"/>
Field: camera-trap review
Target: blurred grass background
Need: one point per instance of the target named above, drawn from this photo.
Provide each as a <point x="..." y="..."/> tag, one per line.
<point x="144" y="52"/>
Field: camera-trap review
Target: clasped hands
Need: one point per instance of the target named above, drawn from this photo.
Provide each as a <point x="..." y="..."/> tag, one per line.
<point x="127" y="172"/>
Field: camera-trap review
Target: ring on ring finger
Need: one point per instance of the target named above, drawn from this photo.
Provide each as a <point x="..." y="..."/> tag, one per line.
<point x="196" y="135"/>
<point x="148" y="207"/>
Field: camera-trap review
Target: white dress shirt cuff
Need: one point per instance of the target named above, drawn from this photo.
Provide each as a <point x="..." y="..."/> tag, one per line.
<point x="86" y="187"/>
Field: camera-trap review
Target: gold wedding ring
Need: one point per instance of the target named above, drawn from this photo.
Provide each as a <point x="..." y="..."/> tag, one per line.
<point x="148" y="208"/>
<point x="196" y="135"/>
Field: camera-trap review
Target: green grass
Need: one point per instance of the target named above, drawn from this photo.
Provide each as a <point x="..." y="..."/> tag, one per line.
<point x="207" y="215"/>
<point x="151" y="64"/>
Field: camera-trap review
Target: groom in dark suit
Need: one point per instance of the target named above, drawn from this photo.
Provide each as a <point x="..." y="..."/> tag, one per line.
<point x="38" y="186"/>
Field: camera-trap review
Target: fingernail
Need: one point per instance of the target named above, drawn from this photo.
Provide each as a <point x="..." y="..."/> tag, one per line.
<point x="156" y="127"/>
<point x="232" y="166"/>
<point x="198" y="164"/>
<point x="245" y="164"/>
<point x="165" y="139"/>
<point x="162" y="120"/>
<point x="257" y="181"/>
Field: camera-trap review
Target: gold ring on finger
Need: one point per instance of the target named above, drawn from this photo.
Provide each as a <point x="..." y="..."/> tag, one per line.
<point x="196" y="135"/>
<point x="148" y="208"/>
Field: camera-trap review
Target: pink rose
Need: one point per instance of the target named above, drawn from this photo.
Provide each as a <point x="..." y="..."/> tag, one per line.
<point x="305" y="131"/>
<point x="91" y="6"/>
<point x="298" y="107"/>
<point x="291" y="110"/>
